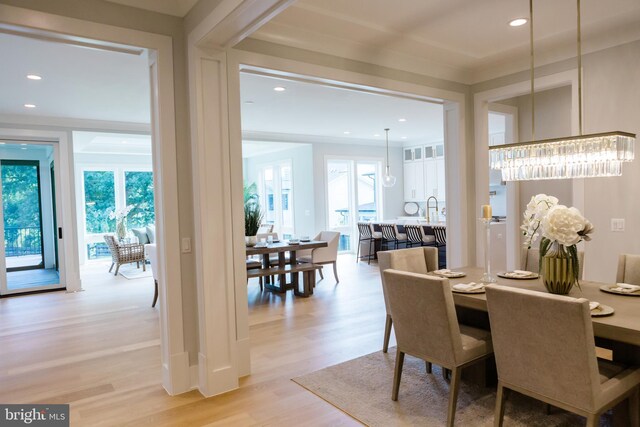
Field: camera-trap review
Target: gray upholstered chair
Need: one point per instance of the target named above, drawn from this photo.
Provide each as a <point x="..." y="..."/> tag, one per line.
<point x="426" y="326"/>
<point x="628" y="269"/>
<point x="552" y="357"/>
<point x="326" y="255"/>
<point x="530" y="260"/>
<point x="416" y="260"/>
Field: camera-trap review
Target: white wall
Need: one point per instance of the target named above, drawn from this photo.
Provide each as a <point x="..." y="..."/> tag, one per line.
<point x="301" y="158"/>
<point x="612" y="102"/>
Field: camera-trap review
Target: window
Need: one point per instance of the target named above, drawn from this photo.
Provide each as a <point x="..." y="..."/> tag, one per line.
<point x="275" y="191"/>
<point x="139" y="194"/>
<point x="100" y="199"/>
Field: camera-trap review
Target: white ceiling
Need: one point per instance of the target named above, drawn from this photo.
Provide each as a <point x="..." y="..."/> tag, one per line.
<point x="77" y="82"/>
<point x="168" y="7"/>
<point x="305" y="111"/>
<point x="261" y="148"/>
<point x="111" y="143"/>
<point x="460" y="40"/>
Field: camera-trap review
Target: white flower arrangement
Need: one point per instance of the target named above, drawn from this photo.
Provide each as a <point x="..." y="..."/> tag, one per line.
<point x="564" y="226"/>
<point x="120" y="214"/>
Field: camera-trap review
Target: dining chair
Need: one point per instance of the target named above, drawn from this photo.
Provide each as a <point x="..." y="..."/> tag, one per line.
<point x="426" y="327"/>
<point x="265" y="228"/>
<point x="414" y="260"/>
<point x="365" y="235"/>
<point x="326" y="255"/>
<point x="530" y="261"/>
<point x="628" y="269"/>
<point x="152" y="254"/>
<point x="552" y="357"/>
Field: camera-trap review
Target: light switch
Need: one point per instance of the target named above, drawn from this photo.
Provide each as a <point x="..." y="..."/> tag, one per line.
<point x="617" y="224"/>
<point x="186" y="245"/>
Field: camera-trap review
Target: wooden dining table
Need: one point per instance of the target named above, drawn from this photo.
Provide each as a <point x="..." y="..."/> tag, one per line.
<point x="281" y="270"/>
<point x="619" y="332"/>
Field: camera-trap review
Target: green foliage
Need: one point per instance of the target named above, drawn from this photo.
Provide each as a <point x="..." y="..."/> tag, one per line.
<point x="139" y="193"/>
<point x="21" y="204"/>
<point x="250" y="193"/>
<point x="100" y="199"/>
<point x="252" y="218"/>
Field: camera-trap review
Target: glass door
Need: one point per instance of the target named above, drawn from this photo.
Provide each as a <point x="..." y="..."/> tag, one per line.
<point x="353" y="195"/>
<point x="29" y="255"/>
<point x="276" y="197"/>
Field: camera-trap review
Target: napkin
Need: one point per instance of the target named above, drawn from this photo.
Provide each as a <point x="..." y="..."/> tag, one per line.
<point x="467" y="287"/>
<point x="627" y="288"/>
<point x="443" y="271"/>
<point x="593" y="305"/>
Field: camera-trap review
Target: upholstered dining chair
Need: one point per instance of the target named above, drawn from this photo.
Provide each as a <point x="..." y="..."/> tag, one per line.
<point x="628" y="269"/>
<point x="426" y="327"/>
<point x="415" y="260"/>
<point x="326" y="255"/>
<point x="556" y="365"/>
<point x="530" y="260"/>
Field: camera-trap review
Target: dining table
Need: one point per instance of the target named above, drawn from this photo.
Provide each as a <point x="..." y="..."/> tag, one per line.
<point x="618" y="332"/>
<point x="265" y="249"/>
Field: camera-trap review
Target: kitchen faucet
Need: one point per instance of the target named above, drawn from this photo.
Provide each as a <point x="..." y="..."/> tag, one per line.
<point x="429" y="207"/>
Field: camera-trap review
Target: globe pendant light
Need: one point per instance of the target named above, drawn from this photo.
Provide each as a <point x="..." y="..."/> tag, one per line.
<point x="582" y="156"/>
<point x="388" y="180"/>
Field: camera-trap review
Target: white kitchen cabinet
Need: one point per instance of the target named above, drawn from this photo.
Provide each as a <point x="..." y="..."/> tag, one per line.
<point x="424" y="173"/>
<point x="413" y="181"/>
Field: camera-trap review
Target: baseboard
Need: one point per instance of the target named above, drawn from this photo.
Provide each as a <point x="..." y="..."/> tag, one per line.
<point x="244" y="357"/>
<point x="215" y="381"/>
<point x="177" y="379"/>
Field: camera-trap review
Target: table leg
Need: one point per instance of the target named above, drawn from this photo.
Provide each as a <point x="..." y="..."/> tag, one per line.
<point x="266" y="265"/>
<point x="282" y="279"/>
<point x="294" y="276"/>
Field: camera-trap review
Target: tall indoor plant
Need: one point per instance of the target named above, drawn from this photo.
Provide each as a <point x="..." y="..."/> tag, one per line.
<point x="562" y="228"/>
<point x="252" y="214"/>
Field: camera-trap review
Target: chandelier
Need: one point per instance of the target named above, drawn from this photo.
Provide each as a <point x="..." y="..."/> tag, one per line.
<point x="582" y="156"/>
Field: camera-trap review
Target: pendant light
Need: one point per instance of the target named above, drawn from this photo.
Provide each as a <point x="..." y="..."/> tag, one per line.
<point x="388" y="180"/>
<point x="582" y="156"/>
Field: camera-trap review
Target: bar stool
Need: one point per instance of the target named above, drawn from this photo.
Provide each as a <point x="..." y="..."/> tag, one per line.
<point x="365" y="234"/>
<point x="390" y="234"/>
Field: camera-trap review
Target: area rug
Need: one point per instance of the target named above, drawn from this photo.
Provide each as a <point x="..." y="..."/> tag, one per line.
<point x="362" y="389"/>
<point x="131" y="272"/>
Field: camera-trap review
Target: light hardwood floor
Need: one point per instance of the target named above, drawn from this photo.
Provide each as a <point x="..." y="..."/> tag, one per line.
<point x="99" y="351"/>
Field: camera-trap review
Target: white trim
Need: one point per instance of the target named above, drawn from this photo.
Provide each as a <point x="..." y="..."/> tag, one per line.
<point x="481" y="116"/>
<point x="175" y="360"/>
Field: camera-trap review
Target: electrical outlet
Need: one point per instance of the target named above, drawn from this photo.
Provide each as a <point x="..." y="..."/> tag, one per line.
<point x="186" y="245"/>
<point x="617" y="224"/>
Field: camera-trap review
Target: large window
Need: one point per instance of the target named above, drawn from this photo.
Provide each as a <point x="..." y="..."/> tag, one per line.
<point x="99" y="200"/>
<point x="139" y="193"/>
<point x="276" y="197"/>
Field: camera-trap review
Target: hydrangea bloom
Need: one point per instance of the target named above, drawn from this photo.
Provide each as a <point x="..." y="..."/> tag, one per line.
<point x="564" y="225"/>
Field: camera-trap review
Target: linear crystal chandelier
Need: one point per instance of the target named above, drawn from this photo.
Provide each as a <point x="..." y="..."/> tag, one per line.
<point x="582" y="156"/>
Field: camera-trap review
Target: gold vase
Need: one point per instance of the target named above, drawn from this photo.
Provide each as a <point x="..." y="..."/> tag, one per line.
<point x="559" y="269"/>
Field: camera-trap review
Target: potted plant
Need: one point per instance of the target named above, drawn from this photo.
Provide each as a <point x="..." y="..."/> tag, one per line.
<point x="252" y="215"/>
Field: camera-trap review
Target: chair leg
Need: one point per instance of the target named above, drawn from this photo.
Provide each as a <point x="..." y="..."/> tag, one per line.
<point x="358" y="251"/>
<point x="144" y="266"/>
<point x="453" y="395"/>
<point x="397" y="375"/>
<point x="593" y="420"/>
<point x="117" y="268"/>
<point x="429" y="367"/>
<point x="446" y="373"/>
<point x="335" y="271"/>
<point x="387" y="333"/>
<point x="321" y="275"/>
<point x="261" y="285"/>
<point x="369" y="257"/>
<point x="500" y="398"/>
<point x="634" y="408"/>
<point x="137" y="264"/>
<point x="155" y="295"/>
<point x="112" y="264"/>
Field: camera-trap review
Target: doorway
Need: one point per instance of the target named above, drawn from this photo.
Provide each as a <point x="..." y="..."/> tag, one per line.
<point x="30" y="261"/>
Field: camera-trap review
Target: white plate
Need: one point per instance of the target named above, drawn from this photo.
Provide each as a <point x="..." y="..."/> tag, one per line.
<point x="294" y="243"/>
<point x="411" y="208"/>
<point x="603" y="310"/>
<point x="511" y="275"/>
<point x="452" y="275"/>
<point x="475" y="291"/>
<point x="611" y="289"/>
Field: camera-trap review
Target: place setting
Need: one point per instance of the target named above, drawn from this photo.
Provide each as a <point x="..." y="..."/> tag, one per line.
<point x="449" y="274"/>
<point x="468" y="288"/>
<point x="625" y="289"/>
<point x="519" y="275"/>
<point x="600" y="310"/>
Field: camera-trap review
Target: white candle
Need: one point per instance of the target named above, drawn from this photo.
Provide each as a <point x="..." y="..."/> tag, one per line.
<point x="486" y="211"/>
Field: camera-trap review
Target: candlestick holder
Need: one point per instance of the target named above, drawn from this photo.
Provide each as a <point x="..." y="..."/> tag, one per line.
<point x="487" y="277"/>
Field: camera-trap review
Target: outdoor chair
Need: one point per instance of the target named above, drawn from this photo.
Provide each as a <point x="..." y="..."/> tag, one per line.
<point x="124" y="253"/>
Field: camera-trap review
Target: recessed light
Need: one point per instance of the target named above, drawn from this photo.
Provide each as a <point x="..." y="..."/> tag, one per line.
<point x="29" y="105"/>
<point x="402" y="120"/>
<point x="346" y="132"/>
<point x="518" y="22"/>
<point x="279" y="89"/>
<point x="248" y="102"/>
<point x="34" y="77"/>
<point x="403" y="137"/>
<point x="23" y="144"/>
<point x="376" y="134"/>
<point x="23" y="148"/>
